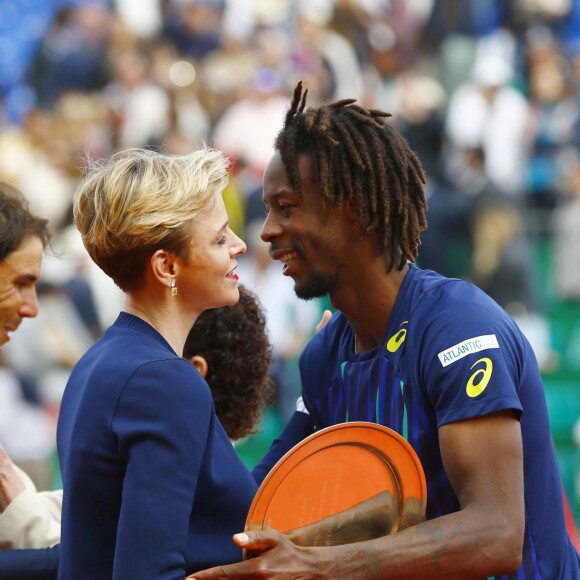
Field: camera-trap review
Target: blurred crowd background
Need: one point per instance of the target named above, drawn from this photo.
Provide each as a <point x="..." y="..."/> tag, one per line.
<point x="486" y="91"/>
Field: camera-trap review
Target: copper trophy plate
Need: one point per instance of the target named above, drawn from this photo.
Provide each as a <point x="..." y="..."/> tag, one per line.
<point x="332" y="477"/>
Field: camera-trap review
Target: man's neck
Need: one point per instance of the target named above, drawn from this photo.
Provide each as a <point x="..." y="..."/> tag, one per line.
<point x="368" y="303"/>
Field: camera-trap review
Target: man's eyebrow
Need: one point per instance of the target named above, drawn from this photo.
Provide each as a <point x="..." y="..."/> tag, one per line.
<point x="275" y="196"/>
<point x="27" y="278"/>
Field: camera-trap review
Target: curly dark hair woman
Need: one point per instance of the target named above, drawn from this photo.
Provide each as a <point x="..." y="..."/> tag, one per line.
<point x="235" y="345"/>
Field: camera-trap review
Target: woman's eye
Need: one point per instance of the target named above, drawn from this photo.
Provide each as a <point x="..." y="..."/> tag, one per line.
<point x="222" y="240"/>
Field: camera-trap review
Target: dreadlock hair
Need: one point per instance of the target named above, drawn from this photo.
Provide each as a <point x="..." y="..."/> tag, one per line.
<point x="359" y="159"/>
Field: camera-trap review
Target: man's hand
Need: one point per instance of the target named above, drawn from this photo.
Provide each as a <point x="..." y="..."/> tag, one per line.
<point x="10" y="483"/>
<point x="277" y="558"/>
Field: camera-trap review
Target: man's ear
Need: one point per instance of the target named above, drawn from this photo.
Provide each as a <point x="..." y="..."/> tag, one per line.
<point x="349" y="211"/>
<point x="200" y="364"/>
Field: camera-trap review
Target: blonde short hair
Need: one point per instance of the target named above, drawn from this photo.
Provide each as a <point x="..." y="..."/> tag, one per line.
<point x="139" y="201"/>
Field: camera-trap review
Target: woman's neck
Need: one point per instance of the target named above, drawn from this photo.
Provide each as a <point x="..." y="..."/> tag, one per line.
<point x="166" y="319"/>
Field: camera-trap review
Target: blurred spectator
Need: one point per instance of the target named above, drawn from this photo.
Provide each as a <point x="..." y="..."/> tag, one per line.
<point x="258" y="113"/>
<point x="555" y="121"/>
<point x="73" y="55"/>
<point x="488" y="113"/>
<point x="453" y="195"/>
<point x="74" y="264"/>
<point x="453" y="32"/>
<point x="420" y="104"/>
<point x="84" y="126"/>
<point x="562" y="17"/>
<point x="421" y="100"/>
<point x="501" y="258"/>
<point x="565" y="229"/>
<point x="321" y="49"/>
<point x="502" y="267"/>
<point x="144" y="18"/>
<point x="30" y="158"/>
<point x="141" y="107"/>
<point x="22" y="27"/>
<point x="385" y="35"/>
<point x="187" y="117"/>
<point x="227" y="73"/>
<point x="467" y="17"/>
<point x="26" y="431"/>
<point x="195" y="26"/>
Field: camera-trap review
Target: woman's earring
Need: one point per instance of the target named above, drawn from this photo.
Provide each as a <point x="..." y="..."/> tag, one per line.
<point x="173" y="288"/>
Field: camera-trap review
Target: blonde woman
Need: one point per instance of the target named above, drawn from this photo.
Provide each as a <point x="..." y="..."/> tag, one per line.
<point x="152" y="485"/>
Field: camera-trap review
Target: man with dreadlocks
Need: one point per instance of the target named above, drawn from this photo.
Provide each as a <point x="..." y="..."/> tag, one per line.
<point x="433" y="358"/>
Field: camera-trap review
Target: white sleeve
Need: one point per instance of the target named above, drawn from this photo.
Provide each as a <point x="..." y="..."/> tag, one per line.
<point x="32" y="520"/>
<point x="300" y="406"/>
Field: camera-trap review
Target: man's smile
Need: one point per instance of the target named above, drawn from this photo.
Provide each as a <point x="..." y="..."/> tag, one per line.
<point x="284" y="256"/>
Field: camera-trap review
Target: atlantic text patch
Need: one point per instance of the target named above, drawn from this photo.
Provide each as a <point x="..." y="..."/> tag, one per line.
<point x="469" y="346"/>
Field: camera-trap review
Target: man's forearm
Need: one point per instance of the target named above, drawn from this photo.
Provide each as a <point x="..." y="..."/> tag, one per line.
<point x="453" y="546"/>
<point x="373" y="518"/>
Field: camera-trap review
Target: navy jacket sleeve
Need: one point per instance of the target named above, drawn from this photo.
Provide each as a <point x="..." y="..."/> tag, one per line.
<point x="162" y="425"/>
<point x="29" y="564"/>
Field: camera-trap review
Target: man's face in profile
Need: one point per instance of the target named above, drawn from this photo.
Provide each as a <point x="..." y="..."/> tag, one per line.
<point x="19" y="274"/>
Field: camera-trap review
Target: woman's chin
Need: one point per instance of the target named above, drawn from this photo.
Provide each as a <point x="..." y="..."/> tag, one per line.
<point x="231" y="297"/>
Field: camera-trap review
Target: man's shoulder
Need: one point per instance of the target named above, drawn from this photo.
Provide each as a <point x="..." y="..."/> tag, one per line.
<point x="433" y="294"/>
<point x="444" y="312"/>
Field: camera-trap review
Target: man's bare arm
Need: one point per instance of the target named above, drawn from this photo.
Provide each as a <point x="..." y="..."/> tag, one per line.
<point x="483" y="459"/>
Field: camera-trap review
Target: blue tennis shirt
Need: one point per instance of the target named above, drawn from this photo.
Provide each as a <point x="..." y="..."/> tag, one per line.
<point x="449" y="353"/>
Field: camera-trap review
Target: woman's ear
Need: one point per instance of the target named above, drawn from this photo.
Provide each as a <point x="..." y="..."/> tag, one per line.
<point x="200" y="364"/>
<point x="163" y="266"/>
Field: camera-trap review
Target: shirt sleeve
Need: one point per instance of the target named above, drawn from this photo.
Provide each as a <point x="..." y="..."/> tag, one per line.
<point x="32" y="520"/>
<point x="162" y="424"/>
<point x="470" y="360"/>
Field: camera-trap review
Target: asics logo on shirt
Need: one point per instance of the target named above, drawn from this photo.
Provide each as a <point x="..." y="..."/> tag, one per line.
<point x="479" y="380"/>
<point x="397" y="339"/>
